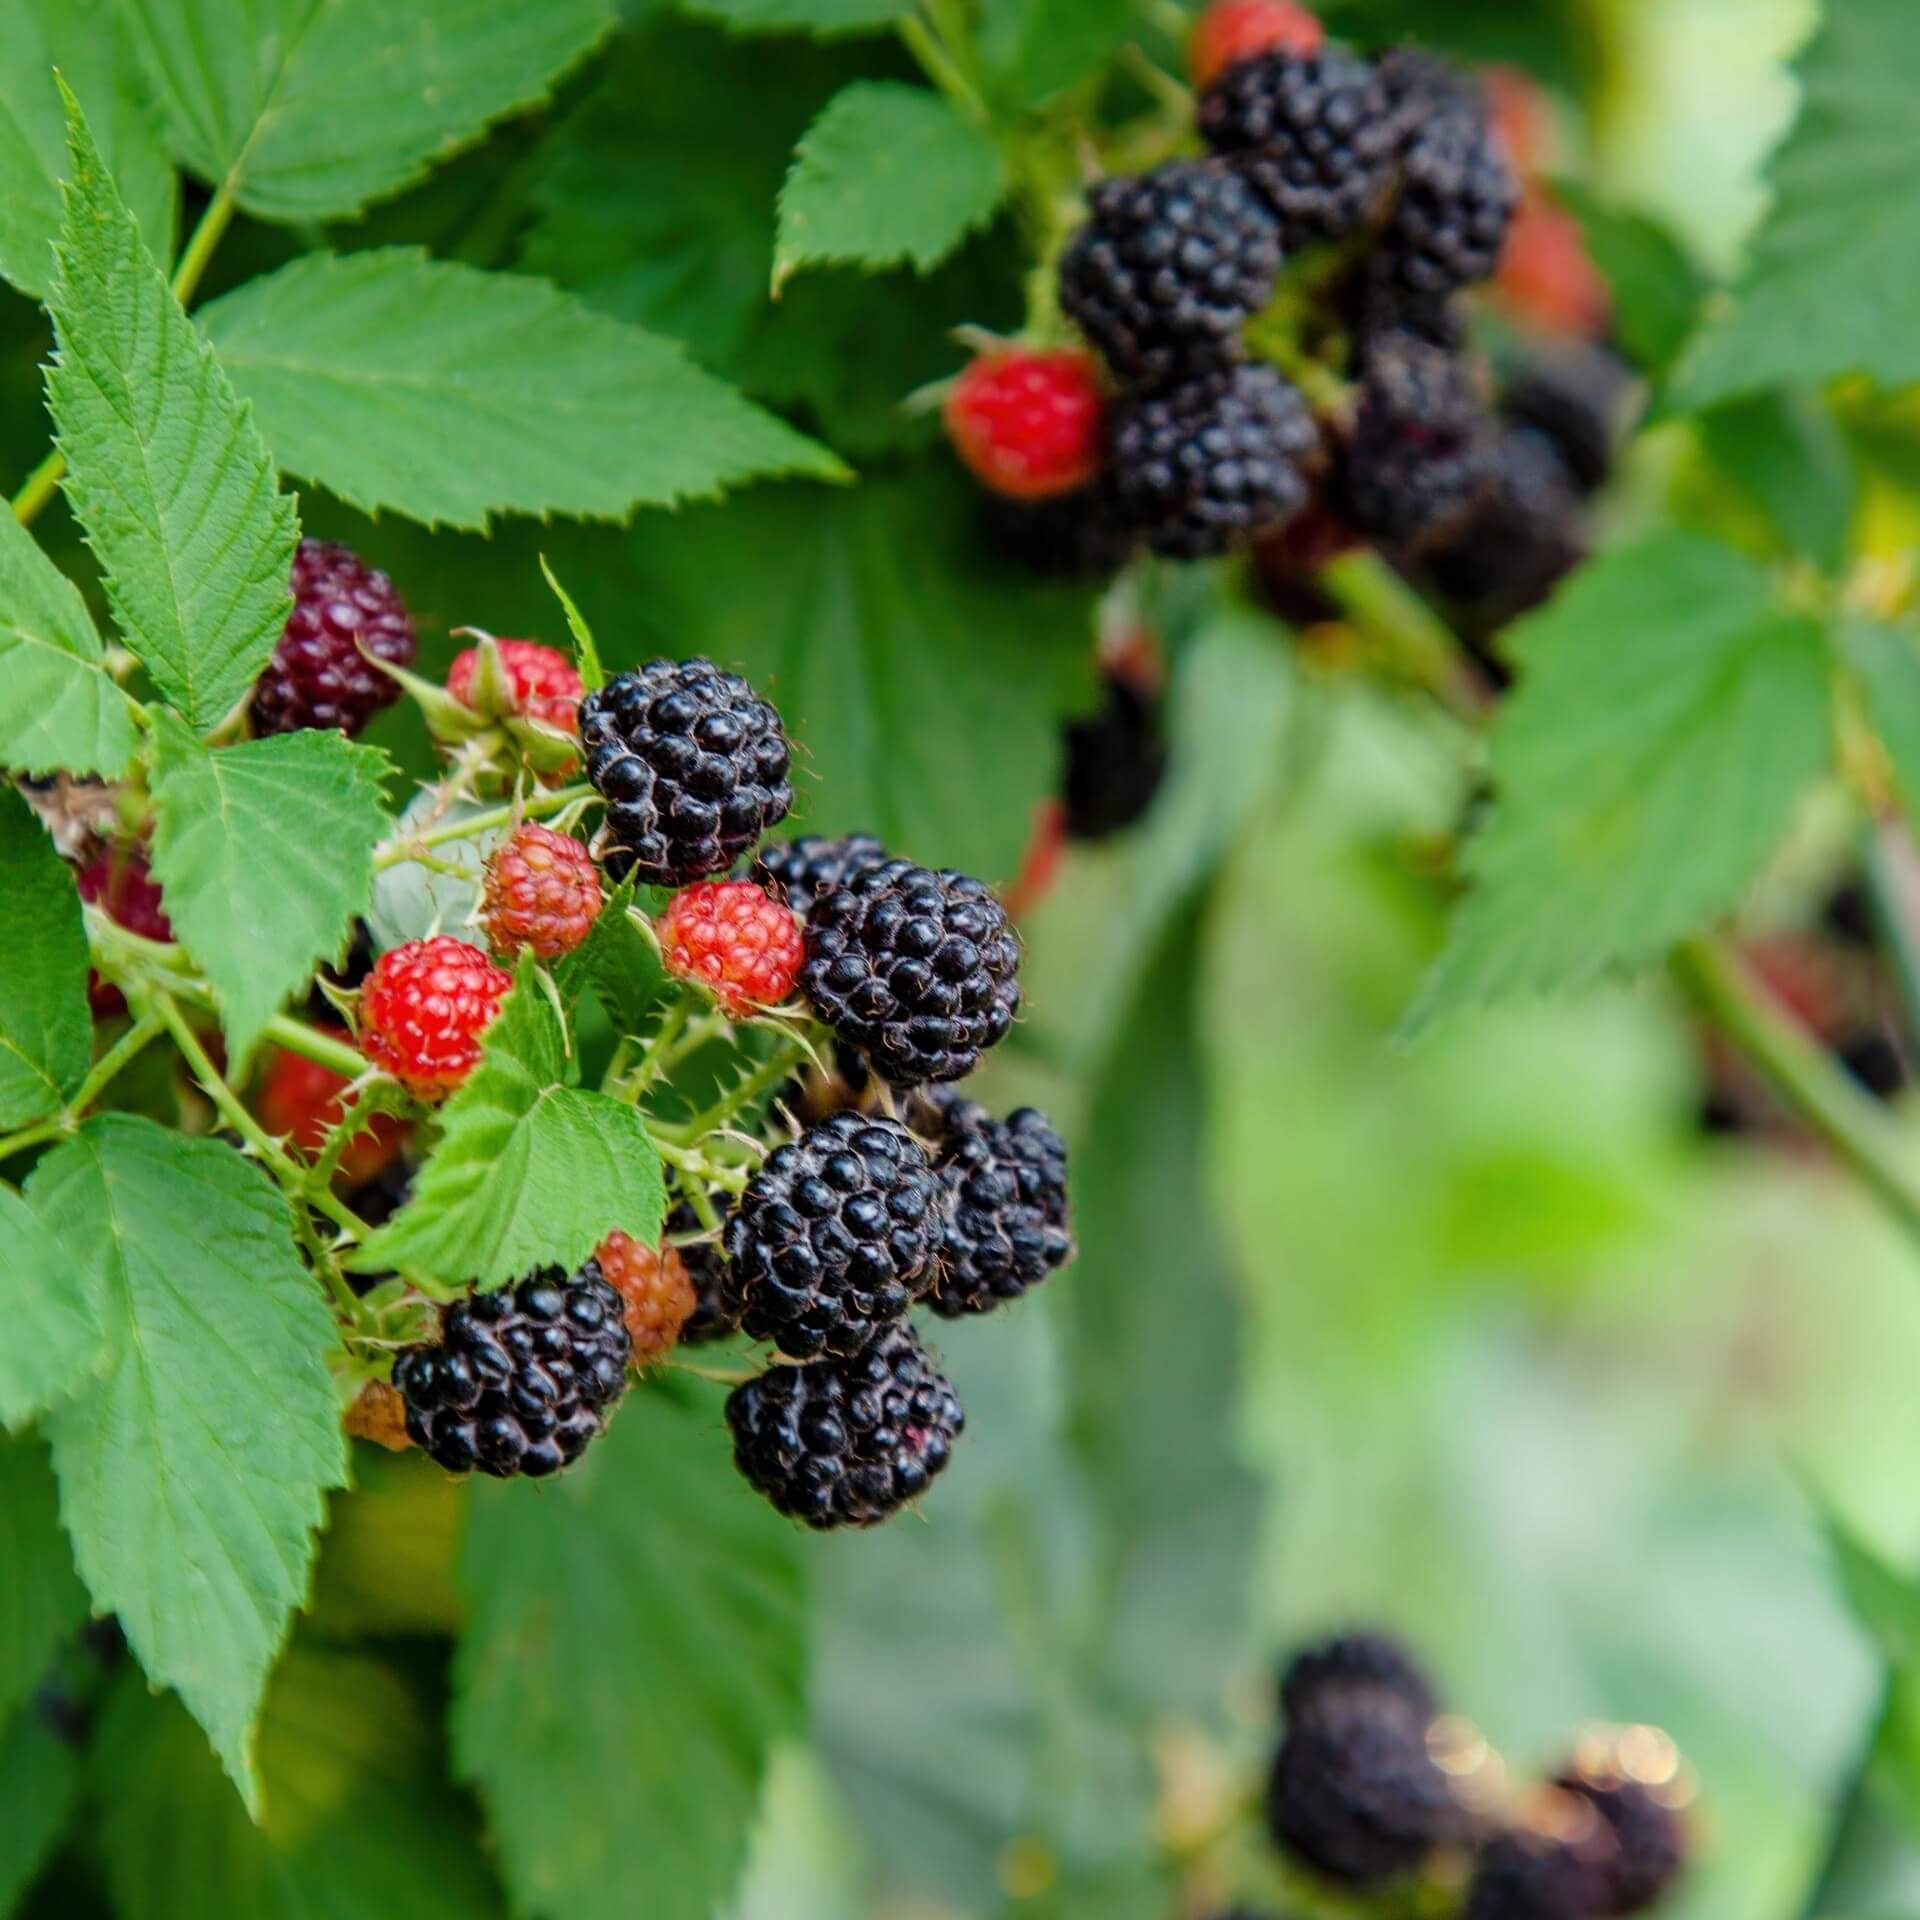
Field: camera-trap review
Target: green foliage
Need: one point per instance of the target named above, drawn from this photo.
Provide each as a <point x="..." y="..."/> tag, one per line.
<point x="1785" y="452"/>
<point x="168" y="476"/>
<point x="44" y="1026"/>
<point x="635" y="1646"/>
<point x="406" y="383"/>
<point x="41" y="1599"/>
<point x="191" y="1470"/>
<point x="309" y="112"/>
<point x="265" y="854"/>
<point x="801" y="16"/>
<point x="1657" y="289"/>
<point x="528" y="1171"/>
<point x="1668" y="717"/>
<point x="887" y="173"/>
<point x="1831" y="282"/>
<point x="1888" y="665"/>
<point x="617" y="962"/>
<point x="57" y="1338"/>
<point x="38" y="1776"/>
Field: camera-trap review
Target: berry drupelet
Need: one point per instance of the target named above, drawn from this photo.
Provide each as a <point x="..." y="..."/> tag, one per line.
<point x="703" y="1258"/>
<point x="656" y="1294"/>
<point x="318" y="676"/>
<point x="692" y="764"/>
<point x="1005" y="1214"/>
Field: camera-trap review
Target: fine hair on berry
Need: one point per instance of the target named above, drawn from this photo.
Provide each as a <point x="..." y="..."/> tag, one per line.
<point x="319" y="675"/>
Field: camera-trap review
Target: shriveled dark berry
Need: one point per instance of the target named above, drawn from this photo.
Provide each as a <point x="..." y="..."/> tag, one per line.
<point x="834" y="1237"/>
<point x="1578" y="397"/>
<point x="1359" y="1659"/>
<point x="799" y="871"/>
<point x="1530" y="1876"/>
<point x="915" y="970"/>
<point x="846" y="1443"/>
<point x="692" y="764"/>
<point x="1005" y="1213"/>
<point x="318" y="676"/>
<point x="521" y="1380"/>
<point x="1168" y="267"/>
<point x="1646" y="1840"/>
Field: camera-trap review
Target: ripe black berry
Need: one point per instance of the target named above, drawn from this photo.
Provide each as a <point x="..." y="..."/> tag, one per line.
<point x="1204" y="467"/>
<point x="1116" y="758"/>
<point x="846" y="1443"/>
<point x="1576" y="396"/>
<point x="692" y="764"/>
<point x="1647" y="1840"/>
<point x="1456" y="196"/>
<point x="1314" y="137"/>
<point x="1354" y="1794"/>
<point x="800" y="871"/>
<point x="1005" y="1214"/>
<point x="1528" y="1876"/>
<point x="520" y="1380"/>
<point x="1356" y="1660"/>
<point x="914" y="969"/>
<point x="318" y="676"/>
<point x="1168" y="267"/>
<point x="834" y="1237"/>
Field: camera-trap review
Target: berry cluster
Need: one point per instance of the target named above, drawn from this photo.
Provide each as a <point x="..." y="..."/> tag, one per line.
<point x="1371" y="1787"/>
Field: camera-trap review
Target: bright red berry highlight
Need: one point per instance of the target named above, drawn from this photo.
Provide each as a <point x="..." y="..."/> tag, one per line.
<point x="655" y="1292"/>
<point x="1234" y="30"/>
<point x="120" y="880"/>
<point x="424" y="1008"/>
<point x="542" y="893"/>
<point x="546" y="684"/>
<point x="1029" y="425"/>
<point x="736" y="940"/>
<point x="301" y="1100"/>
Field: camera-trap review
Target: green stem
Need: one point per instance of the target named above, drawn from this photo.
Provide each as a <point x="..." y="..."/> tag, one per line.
<point x="701" y="1202"/>
<point x="1377" y="601"/>
<point x="103" y="1073"/>
<point x="1800" y="1070"/>
<point x="399" y="852"/>
<point x="36" y="1135"/>
<point x="39" y="487"/>
<point x="321" y="1048"/>
<point x="943" y="70"/>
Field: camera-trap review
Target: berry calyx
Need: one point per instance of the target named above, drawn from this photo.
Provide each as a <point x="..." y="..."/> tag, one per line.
<point x="1029" y="425"/>
<point x="654" y="1288"/>
<point x="736" y="940"/>
<point x="302" y="1101"/>
<point x="546" y="684"/>
<point x="541" y="893"/>
<point x="424" y="1009"/>
<point x="319" y="675"/>
<point x="1231" y="31"/>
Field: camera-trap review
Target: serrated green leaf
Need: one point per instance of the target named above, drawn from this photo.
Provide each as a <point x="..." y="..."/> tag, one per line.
<point x="528" y="1172"/>
<point x="313" y="110"/>
<point x="52" y="1313"/>
<point x="446" y="394"/>
<point x="925" y="676"/>
<point x="1657" y="288"/>
<point x="1034" y="48"/>
<point x="1887" y="659"/>
<point x="46" y="1033"/>
<point x="617" y="963"/>
<point x="41" y="1598"/>
<point x="38" y="1777"/>
<point x="265" y="854"/>
<point x="192" y="1468"/>
<point x="1833" y="277"/>
<point x="887" y="173"/>
<point x="63" y="712"/>
<point x="1784" y="452"/>
<point x="76" y="38"/>
<point x="822" y="17"/>
<point x="167" y="473"/>
<point x="1669" y="715"/>
<point x="356" y="1816"/>
<point x="635" y="1647"/>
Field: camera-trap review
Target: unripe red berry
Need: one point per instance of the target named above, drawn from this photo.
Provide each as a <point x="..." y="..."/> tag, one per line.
<point x="542" y="893"/>
<point x="654" y="1290"/>
<point x="1234" y="30"/>
<point x="745" y="947"/>
<point x="546" y="684"/>
<point x="319" y="676"/>
<point x="301" y="1100"/>
<point x="424" y="1009"/>
<point x="119" y="879"/>
<point x="1030" y="425"/>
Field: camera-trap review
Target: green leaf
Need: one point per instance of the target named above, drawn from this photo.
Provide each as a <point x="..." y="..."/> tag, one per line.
<point x="1034" y="48"/>
<point x="167" y="473"/>
<point x="191" y="1471"/>
<point x="63" y="711"/>
<point x="356" y="1817"/>
<point x="1657" y="288"/>
<point x="822" y="17"/>
<point x="528" y="1172"/>
<point x="46" y="1033"/>
<point x="1887" y="659"/>
<point x="1667" y="718"/>
<point x="617" y="962"/>
<point x="927" y="679"/>
<point x="446" y="394"/>
<point x="265" y="854"/>
<point x="76" y="38"/>
<point x="52" y="1315"/>
<point x="635" y="1646"/>
<point x="1785" y="453"/>
<point x="887" y="173"/>
<point x="313" y="110"/>
<point x="1883" y="1599"/>
<point x="41" y="1599"/>
<point x="1833" y="277"/>
<point x="38" y="1776"/>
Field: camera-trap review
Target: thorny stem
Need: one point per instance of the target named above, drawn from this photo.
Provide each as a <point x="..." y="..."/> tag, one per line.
<point x="777" y="1066"/>
<point x="400" y="851"/>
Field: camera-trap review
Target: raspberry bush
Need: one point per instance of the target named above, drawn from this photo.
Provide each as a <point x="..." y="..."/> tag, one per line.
<point x="1190" y="898"/>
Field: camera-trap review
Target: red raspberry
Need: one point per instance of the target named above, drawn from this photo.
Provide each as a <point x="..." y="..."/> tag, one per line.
<point x="300" y="1100"/>
<point x="318" y="676"/>
<point x="1520" y="117"/>
<point x="654" y="1289"/>
<point x="736" y="940"/>
<point x="1030" y="425"/>
<point x="119" y="879"/>
<point x="546" y="684"/>
<point x="424" y="1008"/>
<point x="1234" y="30"/>
<point x="1546" y="275"/>
<point x="542" y="892"/>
